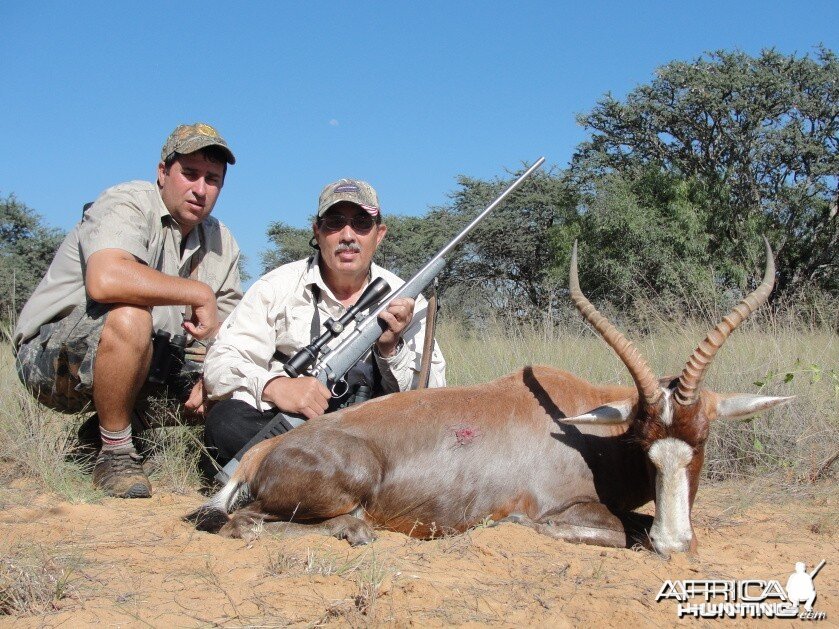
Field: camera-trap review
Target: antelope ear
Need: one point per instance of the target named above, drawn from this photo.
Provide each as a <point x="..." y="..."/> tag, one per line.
<point x="740" y="406"/>
<point x="614" y="413"/>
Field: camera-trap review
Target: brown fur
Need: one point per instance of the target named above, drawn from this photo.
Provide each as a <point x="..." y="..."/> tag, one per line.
<point x="439" y="460"/>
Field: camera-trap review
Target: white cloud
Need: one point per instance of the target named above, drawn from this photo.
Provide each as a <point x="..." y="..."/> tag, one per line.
<point x="333" y="122"/>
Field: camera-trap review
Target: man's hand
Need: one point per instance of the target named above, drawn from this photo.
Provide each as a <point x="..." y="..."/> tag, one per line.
<point x="397" y="316"/>
<point x="196" y="403"/>
<point x="305" y="395"/>
<point x="204" y="323"/>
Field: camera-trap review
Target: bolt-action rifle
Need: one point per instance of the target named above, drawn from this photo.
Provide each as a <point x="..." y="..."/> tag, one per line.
<point x="330" y="366"/>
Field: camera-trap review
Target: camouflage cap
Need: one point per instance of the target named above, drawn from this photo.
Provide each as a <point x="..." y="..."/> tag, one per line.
<point x="353" y="190"/>
<point x="188" y="138"/>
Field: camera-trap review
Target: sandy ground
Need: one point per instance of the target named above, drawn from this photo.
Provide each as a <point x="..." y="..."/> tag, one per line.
<point x="128" y="563"/>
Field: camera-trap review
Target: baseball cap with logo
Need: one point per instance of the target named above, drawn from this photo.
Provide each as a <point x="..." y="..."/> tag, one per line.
<point x="353" y="190"/>
<point x="188" y="138"/>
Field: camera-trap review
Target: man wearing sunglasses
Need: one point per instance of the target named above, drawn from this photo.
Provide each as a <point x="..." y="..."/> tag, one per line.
<point x="286" y="309"/>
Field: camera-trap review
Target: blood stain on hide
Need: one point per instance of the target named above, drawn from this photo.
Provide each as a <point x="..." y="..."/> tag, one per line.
<point x="464" y="435"/>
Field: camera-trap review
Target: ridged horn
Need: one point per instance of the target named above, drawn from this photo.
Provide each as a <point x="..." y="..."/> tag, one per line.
<point x="702" y="357"/>
<point x="645" y="380"/>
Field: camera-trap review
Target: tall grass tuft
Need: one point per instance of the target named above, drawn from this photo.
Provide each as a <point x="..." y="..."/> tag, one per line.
<point x="174" y="448"/>
<point x="40" y="445"/>
<point x="35" y="441"/>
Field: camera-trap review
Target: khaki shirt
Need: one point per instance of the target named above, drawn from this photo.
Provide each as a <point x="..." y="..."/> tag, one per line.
<point x="276" y="316"/>
<point x="132" y="217"/>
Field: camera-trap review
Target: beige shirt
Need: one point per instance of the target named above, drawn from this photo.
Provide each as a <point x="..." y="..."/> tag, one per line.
<point x="276" y="316"/>
<point x="132" y="217"/>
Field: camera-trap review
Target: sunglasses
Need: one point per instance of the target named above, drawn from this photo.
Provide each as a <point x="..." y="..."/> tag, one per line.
<point x="361" y="223"/>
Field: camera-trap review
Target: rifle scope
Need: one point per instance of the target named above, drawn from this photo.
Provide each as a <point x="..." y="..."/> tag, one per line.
<point x="303" y="359"/>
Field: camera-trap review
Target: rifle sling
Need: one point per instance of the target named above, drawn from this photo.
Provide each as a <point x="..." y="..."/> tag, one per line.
<point x="428" y="342"/>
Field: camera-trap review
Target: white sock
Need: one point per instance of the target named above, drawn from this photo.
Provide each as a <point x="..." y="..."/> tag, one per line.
<point x="118" y="439"/>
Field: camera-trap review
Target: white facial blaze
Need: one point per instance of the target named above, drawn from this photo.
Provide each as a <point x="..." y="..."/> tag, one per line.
<point x="671" y="531"/>
<point x="667" y="412"/>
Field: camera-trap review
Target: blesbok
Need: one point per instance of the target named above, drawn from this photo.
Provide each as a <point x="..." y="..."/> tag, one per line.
<point x="541" y="447"/>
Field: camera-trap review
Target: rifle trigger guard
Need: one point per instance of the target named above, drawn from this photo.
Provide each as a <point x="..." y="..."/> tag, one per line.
<point x="336" y="389"/>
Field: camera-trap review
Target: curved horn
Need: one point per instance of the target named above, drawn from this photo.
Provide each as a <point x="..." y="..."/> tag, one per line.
<point x="702" y="357"/>
<point x="645" y="380"/>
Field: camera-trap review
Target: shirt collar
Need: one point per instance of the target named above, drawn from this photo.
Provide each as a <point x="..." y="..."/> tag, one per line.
<point x="162" y="210"/>
<point x="314" y="277"/>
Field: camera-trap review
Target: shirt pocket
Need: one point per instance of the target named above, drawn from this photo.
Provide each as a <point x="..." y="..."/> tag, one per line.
<point x="293" y="329"/>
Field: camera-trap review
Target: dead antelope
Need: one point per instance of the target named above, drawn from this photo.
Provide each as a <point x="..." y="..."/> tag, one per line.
<point x="541" y="447"/>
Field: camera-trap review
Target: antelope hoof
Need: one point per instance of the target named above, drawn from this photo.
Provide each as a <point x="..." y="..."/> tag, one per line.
<point x="352" y="529"/>
<point x="241" y="526"/>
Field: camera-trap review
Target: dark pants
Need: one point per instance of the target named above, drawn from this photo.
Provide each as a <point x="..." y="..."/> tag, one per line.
<point x="230" y="424"/>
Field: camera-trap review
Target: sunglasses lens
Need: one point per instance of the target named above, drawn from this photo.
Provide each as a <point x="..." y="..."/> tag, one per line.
<point x="334" y="222"/>
<point x="362" y="223"/>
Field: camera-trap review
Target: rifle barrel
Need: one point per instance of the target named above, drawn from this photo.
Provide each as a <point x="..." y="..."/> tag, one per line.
<point x="456" y="240"/>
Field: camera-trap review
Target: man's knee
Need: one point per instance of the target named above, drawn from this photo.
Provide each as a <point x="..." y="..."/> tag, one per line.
<point x="214" y="421"/>
<point x="229" y="425"/>
<point x="225" y="419"/>
<point x="127" y="327"/>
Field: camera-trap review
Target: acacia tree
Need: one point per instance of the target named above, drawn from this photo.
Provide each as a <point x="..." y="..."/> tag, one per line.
<point x="759" y="133"/>
<point x="506" y="261"/>
<point x="642" y="236"/>
<point x="27" y="248"/>
<point x="287" y="245"/>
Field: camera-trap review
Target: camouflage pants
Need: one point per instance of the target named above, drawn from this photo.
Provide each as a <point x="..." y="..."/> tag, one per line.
<point x="56" y="365"/>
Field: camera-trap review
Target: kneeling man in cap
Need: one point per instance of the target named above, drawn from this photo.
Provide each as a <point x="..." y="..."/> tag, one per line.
<point x="146" y="261"/>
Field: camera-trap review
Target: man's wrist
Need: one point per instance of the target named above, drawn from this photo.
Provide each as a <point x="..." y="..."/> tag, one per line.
<point x="268" y="382"/>
<point x="206" y="294"/>
<point x="393" y="351"/>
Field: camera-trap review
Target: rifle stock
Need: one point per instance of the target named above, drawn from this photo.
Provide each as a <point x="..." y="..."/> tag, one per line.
<point x="331" y="367"/>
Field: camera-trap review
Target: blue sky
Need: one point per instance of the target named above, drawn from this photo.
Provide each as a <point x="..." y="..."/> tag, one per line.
<point x="406" y="95"/>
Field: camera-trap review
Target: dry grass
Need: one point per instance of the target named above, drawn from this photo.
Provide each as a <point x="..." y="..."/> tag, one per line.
<point x="35" y="442"/>
<point x="363" y="569"/>
<point x="174" y="449"/>
<point x="39" y="444"/>
<point x="33" y="582"/>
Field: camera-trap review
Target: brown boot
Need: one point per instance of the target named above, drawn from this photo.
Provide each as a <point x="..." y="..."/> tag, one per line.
<point x="119" y="473"/>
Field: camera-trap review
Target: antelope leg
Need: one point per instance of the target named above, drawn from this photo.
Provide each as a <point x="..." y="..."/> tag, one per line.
<point x="581" y="523"/>
<point x="355" y="530"/>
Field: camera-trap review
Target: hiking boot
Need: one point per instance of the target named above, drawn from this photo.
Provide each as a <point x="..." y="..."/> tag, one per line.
<point x="119" y="473"/>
